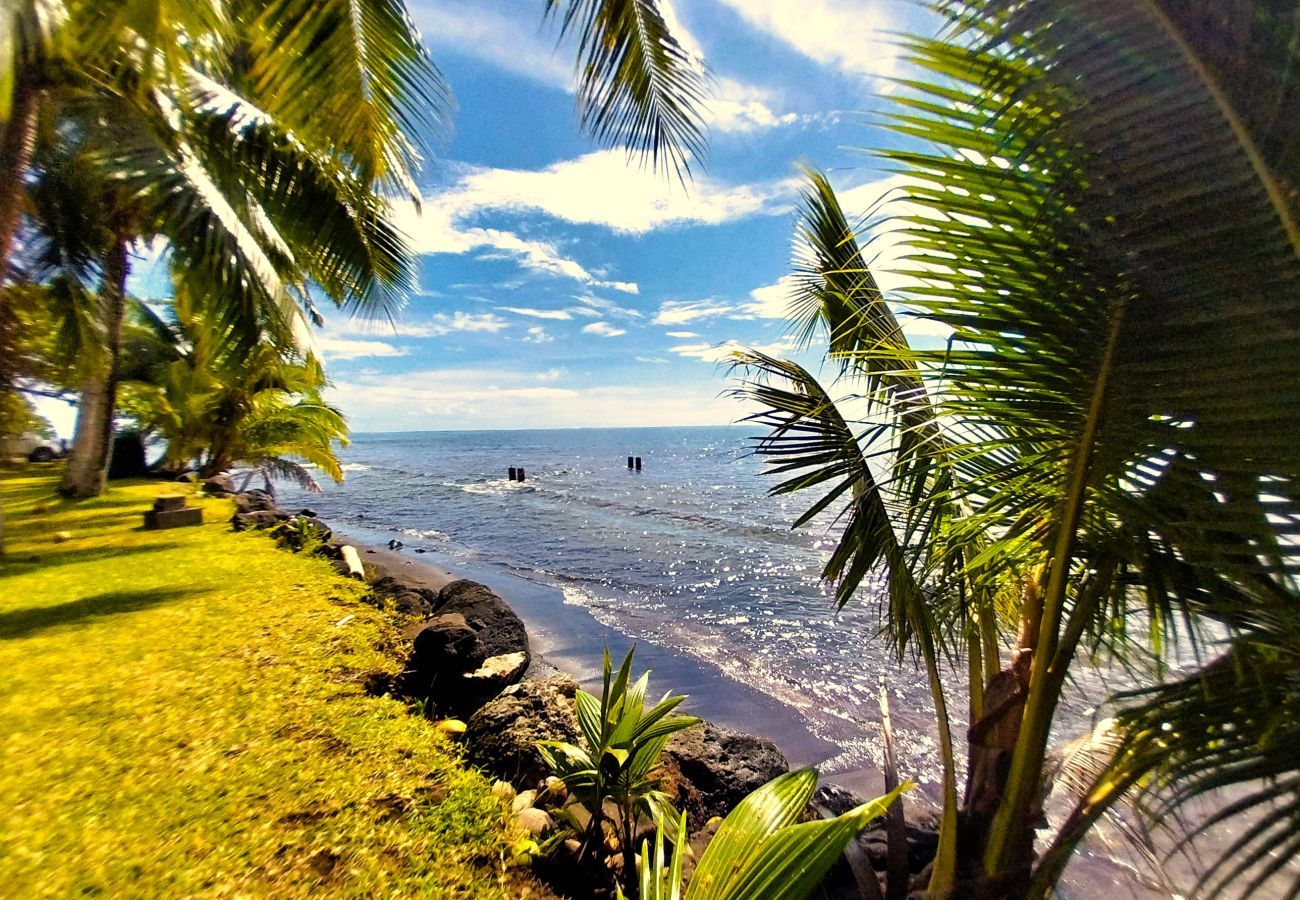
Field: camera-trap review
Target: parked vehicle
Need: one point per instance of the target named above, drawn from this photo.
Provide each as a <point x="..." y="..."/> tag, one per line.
<point x="33" y="447"/>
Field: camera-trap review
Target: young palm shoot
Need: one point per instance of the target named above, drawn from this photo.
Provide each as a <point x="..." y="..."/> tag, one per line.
<point x="761" y="850"/>
<point x="618" y="761"/>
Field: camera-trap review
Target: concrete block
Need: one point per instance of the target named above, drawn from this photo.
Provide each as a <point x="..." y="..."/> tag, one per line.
<point x="156" y="519"/>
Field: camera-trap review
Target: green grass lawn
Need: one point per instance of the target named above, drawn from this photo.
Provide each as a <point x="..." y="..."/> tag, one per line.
<point x="182" y="712"/>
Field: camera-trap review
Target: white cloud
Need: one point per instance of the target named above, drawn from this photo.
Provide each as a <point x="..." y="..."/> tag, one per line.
<point x="682" y="335"/>
<point x="505" y="398"/>
<point x="848" y="34"/>
<point x="601" y="188"/>
<point x="606" y="307"/>
<point x="444" y="323"/>
<point x="714" y="353"/>
<point x="657" y="360"/>
<point x="738" y="108"/>
<point x="537" y="335"/>
<point x="345" y="348"/>
<point x="771" y="301"/>
<point x="627" y="287"/>
<point x="516" y="43"/>
<point x="433" y="229"/>
<point x="604" y="329"/>
<point x="559" y="314"/>
<point x="679" y="312"/>
<point x="550" y="375"/>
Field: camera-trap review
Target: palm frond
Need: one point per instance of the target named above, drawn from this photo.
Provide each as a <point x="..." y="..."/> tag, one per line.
<point x="352" y="79"/>
<point x="341" y="232"/>
<point x="637" y="86"/>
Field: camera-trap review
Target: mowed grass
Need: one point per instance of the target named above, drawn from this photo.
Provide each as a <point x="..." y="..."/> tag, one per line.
<point x="181" y="712"/>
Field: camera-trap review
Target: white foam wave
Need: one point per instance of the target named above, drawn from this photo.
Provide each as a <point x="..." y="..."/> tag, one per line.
<point x="432" y="533"/>
<point x="354" y="467"/>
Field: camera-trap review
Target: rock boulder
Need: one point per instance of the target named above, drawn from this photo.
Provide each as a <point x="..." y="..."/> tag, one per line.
<point x="500" y="630"/>
<point x="219" y="485"/>
<point x="503" y="735"/>
<point x="445" y="649"/>
<point x="711" y="769"/>
<point x="255" y="519"/>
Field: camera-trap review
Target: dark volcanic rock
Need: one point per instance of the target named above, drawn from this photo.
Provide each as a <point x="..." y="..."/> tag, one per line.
<point x="411" y="603"/>
<point x="445" y="649"/>
<point x="713" y="769"/>
<point x="261" y="518"/>
<point x="254" y="501"/>
<point x="502" y="736"/>
<point x="500" y="630"/>
<point x="221" y="485"/>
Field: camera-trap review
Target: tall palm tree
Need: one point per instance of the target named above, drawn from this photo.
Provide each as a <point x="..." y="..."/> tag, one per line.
<point x="217" y="405"/>
<point x="1101" y="460"/>
<point x="263" y="141"/>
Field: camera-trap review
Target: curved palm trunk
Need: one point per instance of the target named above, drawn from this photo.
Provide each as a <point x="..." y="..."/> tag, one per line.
<point x="15" y="154"/>
<point x="92" y="444"/>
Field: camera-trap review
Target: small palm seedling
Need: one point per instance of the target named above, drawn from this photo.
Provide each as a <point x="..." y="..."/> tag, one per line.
<point x="761" y="850"/>
<point x="617" y="764"/>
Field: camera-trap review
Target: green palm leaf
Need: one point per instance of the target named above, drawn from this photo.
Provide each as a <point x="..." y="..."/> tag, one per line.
<point x="352" y="79"/>
<point x="637" y="86"/>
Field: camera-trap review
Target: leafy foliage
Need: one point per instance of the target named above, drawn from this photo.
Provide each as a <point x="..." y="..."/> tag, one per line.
<point x="761" y="850"/>
<point x="618" y="761"/>
<point x="637" y="86"/>
<point x="217" y="408"/>
<point x="1096" y="462"/>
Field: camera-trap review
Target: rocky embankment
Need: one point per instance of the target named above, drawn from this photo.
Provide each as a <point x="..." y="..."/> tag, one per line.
<point x="464" y="654"/>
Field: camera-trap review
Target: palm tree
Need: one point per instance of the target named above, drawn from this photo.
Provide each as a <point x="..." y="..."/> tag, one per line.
<point x="263" y="141"/>
<point x="1100" y="462"/>
<point x="218" y="406"/>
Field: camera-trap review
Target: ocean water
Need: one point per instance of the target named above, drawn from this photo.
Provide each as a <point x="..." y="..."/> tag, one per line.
<point x="691" y="554"/>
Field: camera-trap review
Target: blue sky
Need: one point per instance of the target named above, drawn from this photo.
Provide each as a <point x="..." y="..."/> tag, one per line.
<point x="565" y="285"/>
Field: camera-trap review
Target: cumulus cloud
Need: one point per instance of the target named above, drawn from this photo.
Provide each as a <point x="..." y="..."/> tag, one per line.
<point x="679" y="312"/>
<point x="714" y="353"/>
<point x="682" y="335"/>
<point x="771" y="301"/>
<point x="736" y="107"/>
<point x="345" y="348"/>
<point x="600" y="188"/>
<point x="850" y="35"/>
<point x="560" y="314"/>
<point x="537" y="335"/>
<point x="604" y="329"/>
<point x="447" y="323"/>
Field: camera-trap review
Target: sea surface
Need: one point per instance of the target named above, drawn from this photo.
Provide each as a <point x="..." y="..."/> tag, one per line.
<point x="690" y="555"/>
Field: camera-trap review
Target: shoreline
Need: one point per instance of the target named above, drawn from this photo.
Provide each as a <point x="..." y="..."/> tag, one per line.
<point x="570" y="639"/>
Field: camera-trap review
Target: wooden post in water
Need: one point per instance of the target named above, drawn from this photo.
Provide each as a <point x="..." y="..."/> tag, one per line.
<point x="638" y="464"/>
<point x="521" y="474"/>
<point x="629" y="462"/>
<point x="513" y="475"/>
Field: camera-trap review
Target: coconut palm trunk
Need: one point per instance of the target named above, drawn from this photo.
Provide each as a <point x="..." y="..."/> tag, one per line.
<point x="15" y="154"/>
<point x="92" y="444"/>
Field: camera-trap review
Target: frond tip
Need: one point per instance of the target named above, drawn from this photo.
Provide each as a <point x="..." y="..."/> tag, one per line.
<point x="638" y="87"/>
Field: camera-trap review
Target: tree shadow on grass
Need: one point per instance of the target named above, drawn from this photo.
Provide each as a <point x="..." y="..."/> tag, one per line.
<point x="70" y="554"/>
<point x="23" y="622"/>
